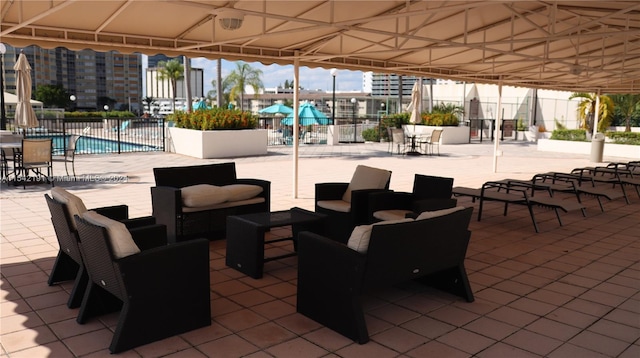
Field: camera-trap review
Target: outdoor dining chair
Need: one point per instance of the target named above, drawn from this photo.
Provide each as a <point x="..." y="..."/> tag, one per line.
<point x="69" y="152"/>
<point x="430" y="141"/>
<point x="35" y="156"/>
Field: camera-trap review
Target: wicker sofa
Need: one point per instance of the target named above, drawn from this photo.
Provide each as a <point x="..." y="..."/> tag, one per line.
<point x="333" y="277"/>
<point x="194" y="201"/>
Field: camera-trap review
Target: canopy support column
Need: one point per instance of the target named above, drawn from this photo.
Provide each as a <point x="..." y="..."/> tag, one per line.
<point x="296" y="120"/>
<point x="496" y="135"/>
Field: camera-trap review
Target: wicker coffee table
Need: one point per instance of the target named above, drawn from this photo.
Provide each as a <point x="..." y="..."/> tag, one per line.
<point x="245" y="236"/>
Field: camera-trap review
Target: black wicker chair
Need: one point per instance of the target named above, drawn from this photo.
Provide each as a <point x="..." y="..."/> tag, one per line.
<point x="333" y="278"/>
<point x="347" y="204"/>
<point x="68" y="265"/>
<point x="429" y="193"/>
<point x="160" y="291"/>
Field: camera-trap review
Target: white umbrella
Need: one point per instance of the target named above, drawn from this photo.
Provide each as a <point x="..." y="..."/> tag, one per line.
<point x="416" y="117"/>
<point x="414" y="106"/>
<point x="25" y="116"/>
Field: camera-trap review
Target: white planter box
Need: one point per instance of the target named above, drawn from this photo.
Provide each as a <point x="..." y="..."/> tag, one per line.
<point x="610" y="149"/>
<point x="217" y="144"/>
<point x="450" y="135"/>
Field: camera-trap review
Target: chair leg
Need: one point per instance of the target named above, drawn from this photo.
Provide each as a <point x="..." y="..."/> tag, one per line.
<point x="64" y="269"/>
<point x="79" y="287"/>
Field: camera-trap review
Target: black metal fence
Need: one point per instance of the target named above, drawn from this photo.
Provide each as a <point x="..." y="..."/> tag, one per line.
<point x="122" y="135"/>
<point x="110" y="135"/>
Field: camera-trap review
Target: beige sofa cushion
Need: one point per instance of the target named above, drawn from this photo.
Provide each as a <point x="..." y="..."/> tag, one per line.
<point x="74" y="204"/>
<point x="361" y="235"/>
<point x="237" y="192"/>
<point x="200" y="195"/>
<point x="436" y="213"/>
<point x="122" y="244"/>
<point x="366" y="178"/>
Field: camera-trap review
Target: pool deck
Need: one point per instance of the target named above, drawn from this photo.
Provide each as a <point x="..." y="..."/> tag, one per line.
<point x="569" y="291"/>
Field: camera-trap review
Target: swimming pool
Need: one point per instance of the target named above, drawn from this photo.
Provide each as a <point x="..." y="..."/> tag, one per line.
<point x="92" y="145"/>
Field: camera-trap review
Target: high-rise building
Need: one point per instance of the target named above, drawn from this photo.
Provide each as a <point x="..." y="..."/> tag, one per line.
<point x="94" y="78"/>
<point x="152" y="61"/>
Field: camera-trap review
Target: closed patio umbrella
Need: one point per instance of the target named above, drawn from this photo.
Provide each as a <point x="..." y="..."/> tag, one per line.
<point x="25" y="115"/>
<point x="414" y="107"/>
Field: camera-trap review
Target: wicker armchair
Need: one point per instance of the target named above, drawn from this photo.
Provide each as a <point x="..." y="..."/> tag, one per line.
<point x="161" y="291"/>
<point x="68" y="265"/>
<point x="429" y="193"/>
<point x="347" y="204"/>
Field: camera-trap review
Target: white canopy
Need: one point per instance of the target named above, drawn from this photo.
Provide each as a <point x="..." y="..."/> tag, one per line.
<point x="12" y="99"/>
<point x="578" y="46"/>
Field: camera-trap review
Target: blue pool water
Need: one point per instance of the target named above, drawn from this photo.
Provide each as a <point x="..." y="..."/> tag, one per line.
<point x="90" y="145"/>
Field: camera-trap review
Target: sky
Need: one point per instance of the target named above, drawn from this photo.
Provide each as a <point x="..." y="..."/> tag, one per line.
<point x="275" y="75"/>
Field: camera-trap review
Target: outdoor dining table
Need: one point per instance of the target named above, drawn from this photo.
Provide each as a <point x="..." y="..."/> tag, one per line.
<point x="5" y="167"/>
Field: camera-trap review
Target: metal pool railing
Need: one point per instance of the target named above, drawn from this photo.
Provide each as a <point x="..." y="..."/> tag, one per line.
<point x="112" y="135"/>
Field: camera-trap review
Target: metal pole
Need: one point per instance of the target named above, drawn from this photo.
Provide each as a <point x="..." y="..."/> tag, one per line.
<point x="334" y="72"/>
<point x="3" y="114"/>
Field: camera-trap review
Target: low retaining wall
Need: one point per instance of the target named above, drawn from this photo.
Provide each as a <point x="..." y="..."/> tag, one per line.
<point x="610" y="149"/>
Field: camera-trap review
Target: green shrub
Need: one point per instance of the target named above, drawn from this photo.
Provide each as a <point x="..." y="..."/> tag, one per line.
<point x="439" y="119"/>
<point x="631" y="138"/>
<point x="579" y="135"/>
<point x="214" y="118"/>
<point x="371" y="135"/>
<point x="395" y="120"/>
<point x="99" y="114"/>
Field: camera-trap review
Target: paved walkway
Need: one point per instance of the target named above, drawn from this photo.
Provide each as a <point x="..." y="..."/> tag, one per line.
<point x="571" y="291"/>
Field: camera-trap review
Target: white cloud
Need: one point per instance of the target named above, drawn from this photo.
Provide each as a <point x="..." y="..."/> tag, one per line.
<point x="275" y="75"/>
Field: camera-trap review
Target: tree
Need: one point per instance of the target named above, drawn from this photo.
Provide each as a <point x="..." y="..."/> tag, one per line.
<point x="587" y="111"/>
<point x="225" y="92"/>
<point x="52" y="96"/>
<point x="148" y="102"/>
<point x="626" y="104"/>
<point x="244" y="75"/>
<point x="173" y="71"/>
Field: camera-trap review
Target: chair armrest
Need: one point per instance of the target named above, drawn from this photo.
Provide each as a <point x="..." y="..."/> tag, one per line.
<point x="166" y="203"/>
<point x="266" y="188"/>
<point x="343" y="271"/>
<point x="360" y="204"/>
<point x="116" y="212"/>
<point x="330" y="191"/>
<point x="138" y="222"/>
<point x="389" y="200"/>
<point x="180" y="267"/>
<point x="147" y="237"/>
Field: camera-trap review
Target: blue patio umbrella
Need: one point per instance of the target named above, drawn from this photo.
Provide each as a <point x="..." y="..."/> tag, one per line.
<point x="202" y="104"/>
<point x="308" y="115"/>
<point x="276" y="108"/>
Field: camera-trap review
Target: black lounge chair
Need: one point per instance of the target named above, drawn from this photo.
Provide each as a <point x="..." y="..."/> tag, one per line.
<point x="511" y="193"/>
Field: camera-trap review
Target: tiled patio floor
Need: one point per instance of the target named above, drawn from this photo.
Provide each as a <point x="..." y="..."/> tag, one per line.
<point x="568" y="291"/>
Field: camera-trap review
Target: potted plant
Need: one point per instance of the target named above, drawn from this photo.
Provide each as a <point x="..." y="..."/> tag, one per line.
<point x="216" y="133"/>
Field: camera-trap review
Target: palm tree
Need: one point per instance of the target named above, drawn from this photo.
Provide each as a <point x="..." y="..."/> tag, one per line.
<point x="587" y="110"/>
<point x="149" y="101"/>
<point x="221" y="97"/>
<point x="244" y="75"/>
<point x="173" y="71"/>
<point x="627" y="104"/>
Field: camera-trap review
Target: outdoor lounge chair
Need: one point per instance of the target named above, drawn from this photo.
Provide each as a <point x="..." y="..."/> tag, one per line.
<point x="429" y="193"/>
<point x="509" y="193"/>
<point x="161" y="291"/>
<point x="347" y="204"/>
<point x="68" y="265"/>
